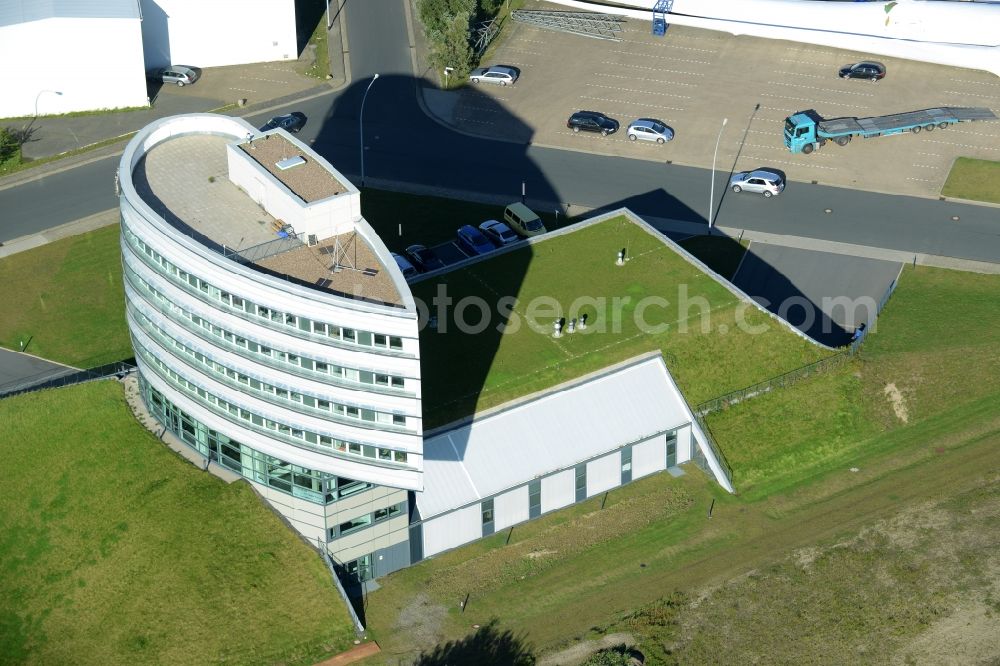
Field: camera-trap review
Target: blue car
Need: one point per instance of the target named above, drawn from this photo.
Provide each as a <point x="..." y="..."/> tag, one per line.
<point x="473" y="241"/>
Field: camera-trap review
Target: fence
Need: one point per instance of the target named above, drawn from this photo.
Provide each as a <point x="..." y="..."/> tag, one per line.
<point x="359" y="628"/>
<point x="699" y="458"/>
<point x="78" y="377"/>
<point x="862" y="333"/>
<point x="263" y="250"/>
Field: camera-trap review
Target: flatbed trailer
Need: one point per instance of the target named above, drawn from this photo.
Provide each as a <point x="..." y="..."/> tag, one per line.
<point x="807" y="130"/>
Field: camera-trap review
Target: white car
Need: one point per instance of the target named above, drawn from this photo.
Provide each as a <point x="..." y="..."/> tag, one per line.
<point x="497" y="74"/>
<point x="499" y="233"/>
<point x="761" y="181"/>
<point x="648" y="129"/>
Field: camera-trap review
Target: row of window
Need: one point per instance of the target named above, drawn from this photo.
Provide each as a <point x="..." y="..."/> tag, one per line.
<point x="262" y="352"/>
<point x="319" y="487"/>
<point x="296" y="436"/>
<point x="193" y="283"/>
<point x="361" y="522"/>
<point x="284" y="394"/>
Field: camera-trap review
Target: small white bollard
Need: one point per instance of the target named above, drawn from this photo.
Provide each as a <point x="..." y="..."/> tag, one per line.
<point x="572" y="325"/>
<point x="557" y="328"/>
<point x="621" y="257"/>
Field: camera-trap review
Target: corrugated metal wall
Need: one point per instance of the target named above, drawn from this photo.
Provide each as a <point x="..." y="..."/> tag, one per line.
<point x="604" y="473"/>
<point x="649" y="457"/>
<point x="558" y="490"/>
<point x="453" y="529"/>
<point x="511" y="508"/>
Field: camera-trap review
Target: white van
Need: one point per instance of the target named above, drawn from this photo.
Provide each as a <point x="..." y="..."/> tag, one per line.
<point x="523" y="220"/>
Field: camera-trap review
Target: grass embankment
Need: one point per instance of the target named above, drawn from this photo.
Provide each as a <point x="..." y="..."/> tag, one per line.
<point x="306" y="12"/>
<point x="114" y="551"/>
<point x="657" y="301"/>
<point x="977" y="180"/>
<point x="890" y="563"/>
<point x="67" y="299"/>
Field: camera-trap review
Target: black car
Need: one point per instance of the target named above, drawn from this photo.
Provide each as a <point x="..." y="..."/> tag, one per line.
<point x="424" y="258"/>
<point x="866" y="69"/>
<point x="592" y="121"/>
<point x="290" y="122"/>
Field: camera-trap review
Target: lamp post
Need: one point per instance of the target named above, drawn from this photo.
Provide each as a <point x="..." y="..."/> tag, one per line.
<point x="42" y="92"/>
<point x="711" y="196"/>
<point x="361" y="128"/>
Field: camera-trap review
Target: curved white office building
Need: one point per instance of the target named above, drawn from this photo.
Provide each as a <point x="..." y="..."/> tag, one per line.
<point x="272" y="329"/>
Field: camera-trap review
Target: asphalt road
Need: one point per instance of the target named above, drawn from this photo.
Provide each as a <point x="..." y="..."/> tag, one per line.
<point x="403" y="145"/>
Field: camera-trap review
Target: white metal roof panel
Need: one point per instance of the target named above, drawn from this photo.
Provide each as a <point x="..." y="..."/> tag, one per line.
<point x="517" y="444"/>
<point x="13" y="12"/>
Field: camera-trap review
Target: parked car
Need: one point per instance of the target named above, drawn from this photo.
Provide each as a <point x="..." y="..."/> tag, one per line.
<point x="866" y="69"/>
<point x="498" y="232"/>
<point x="500" y="74"/>
<point x="291" y="122"/>
<point x="473" y="241"/>
<point x="649" y="129"/>
<point x="405" y="267"/>
<point x="182" y="75"/>
<point x="592" y="121"/>
<point x="424" y="258"/>
<point x="523" y="220"/>
<point x="761" y="181"/>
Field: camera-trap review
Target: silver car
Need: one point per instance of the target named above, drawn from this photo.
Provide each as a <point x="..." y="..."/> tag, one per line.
<point x="496" y="74"/>
<point x="761" y="181"/>
<point x="179" y="74"/>
<point x="648" y="129"/>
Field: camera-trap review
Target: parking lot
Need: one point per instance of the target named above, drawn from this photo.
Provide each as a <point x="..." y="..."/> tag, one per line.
<point x="691" y="79"/>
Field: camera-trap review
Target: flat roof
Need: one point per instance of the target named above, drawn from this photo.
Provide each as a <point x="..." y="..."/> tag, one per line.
<point x="309" y="180"/>
<point x="567" y="425"/>
<point x="185" y="180"/>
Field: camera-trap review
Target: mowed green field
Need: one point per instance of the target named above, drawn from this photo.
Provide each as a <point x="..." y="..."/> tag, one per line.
<point x="66" y="300"/>
<point x="113" y="550"/>
<point x="712" y="341"/>
<point x="860" y="532"/>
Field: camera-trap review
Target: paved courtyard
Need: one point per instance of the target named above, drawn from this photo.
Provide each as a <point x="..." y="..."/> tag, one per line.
<point x="691" y="79"/>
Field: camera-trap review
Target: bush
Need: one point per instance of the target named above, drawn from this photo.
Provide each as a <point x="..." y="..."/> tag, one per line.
<point x="447" y="27"/>
<point x="10" y="149"/>
<point x="616" y="656"/>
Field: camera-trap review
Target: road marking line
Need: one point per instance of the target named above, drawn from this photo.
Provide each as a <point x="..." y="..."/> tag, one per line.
<point x="802" y="85"/>
<point x="618" y="101"/>
<point x="643" y="92"/>
<point x="651" y="69"/>
<point x="634" y="78"/>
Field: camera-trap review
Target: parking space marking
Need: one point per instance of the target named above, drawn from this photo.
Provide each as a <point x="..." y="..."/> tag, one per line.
<point x="927" y="166"/>
<point x="923" y="180"/>
<point x="811" y="76"/>
<point x="962" y="145"/>
<point x="771" y="160"/>
<point x="479" y="109"/>
<point x="515" y="50"/>
<point x="804" y="62"/>
<point x="643" y="92"/>
<point x="664" y="57"/>
<point x="618" y="101"/>
<point x="968" y="94"/>
<point x="668" y="45"/>
<point x="978" y="83"/>
<point x="261" y="78"/>
<point x="243" y="89"/>
<point x="973" y="132"/>
<point x="651" y="69"/>
<point x="633" y="78"/>
<point x="811" y="100"/>
<point x="475" y="121"/>
<point x="929" y="154"/>
<point x="802" y="85"/>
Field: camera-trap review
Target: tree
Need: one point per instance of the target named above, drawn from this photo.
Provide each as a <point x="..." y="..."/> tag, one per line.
<point x="453" y="50"/>
<point x="10" y="148"/>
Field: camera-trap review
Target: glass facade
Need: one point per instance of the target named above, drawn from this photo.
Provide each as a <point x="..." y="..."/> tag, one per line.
<point x="310" y="485"/>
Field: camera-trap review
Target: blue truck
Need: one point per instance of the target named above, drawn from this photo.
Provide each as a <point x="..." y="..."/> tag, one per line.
<point x="806" y="131"/>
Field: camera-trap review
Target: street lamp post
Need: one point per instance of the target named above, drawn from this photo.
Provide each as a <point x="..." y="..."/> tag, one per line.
<point x="42" y="92"/>
<point x="711" y="196"/>
<point x="361" y="128"/>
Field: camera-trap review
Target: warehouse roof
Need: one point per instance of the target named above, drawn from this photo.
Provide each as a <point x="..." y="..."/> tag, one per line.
<point x="13" y="12"/>
<point x="577" y="421"/>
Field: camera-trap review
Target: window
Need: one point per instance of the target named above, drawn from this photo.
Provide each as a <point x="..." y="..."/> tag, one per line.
<point x="355" y="524"/>
<point x="581" y="482"/>
<point x="400" y="456"/>
<point x="487" y="509"/>
<point x="672" y="449"/>
<point x="535" y="499"/>
<point x="388" y="512"/>
<point x="384" y="454"/>
<point x="626" y="464"/>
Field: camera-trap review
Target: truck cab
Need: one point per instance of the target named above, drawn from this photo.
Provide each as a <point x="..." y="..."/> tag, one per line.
<point x="800" y="131"/>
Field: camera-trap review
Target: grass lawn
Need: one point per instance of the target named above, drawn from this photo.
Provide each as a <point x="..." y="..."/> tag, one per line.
<point x="657" y="301"/>
<point x="978" y="180"/>
<point x="67" y="297"/>
<point x="113" y="550"/>
<point x="892" y="561"/>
